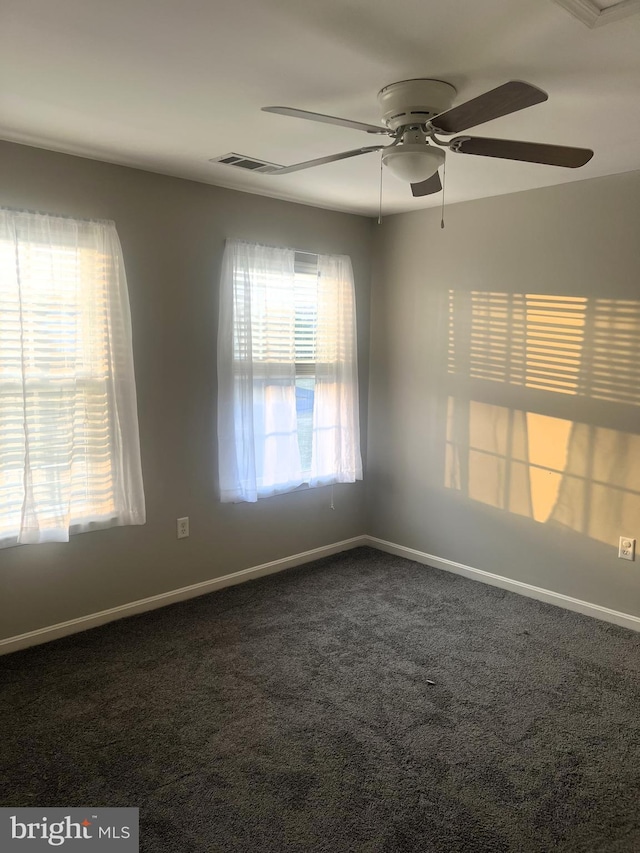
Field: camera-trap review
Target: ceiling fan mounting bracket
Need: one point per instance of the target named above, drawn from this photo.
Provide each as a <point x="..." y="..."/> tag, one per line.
<point x="414" y="102"/>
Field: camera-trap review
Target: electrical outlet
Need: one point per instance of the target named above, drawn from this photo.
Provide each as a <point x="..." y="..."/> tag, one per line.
<point x="183" y="527"/>
<point x="627" y="548"/>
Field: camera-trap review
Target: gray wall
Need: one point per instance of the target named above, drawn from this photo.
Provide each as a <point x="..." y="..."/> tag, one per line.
<point x="580" y="239"/>
<point x="172" y="232"/>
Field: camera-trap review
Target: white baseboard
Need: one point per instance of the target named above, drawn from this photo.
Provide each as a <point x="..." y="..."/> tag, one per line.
<point x="557" y="598"/>
<point x="73" y="626"/>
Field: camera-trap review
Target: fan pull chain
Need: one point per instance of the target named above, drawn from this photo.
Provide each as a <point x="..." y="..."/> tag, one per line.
<point x="380" y="207"/>
<point x="332" y="506"/>
<point x="444" y="181"/>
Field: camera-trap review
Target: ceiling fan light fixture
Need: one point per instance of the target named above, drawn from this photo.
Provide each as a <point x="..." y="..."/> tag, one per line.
<point x="413" y="163"/>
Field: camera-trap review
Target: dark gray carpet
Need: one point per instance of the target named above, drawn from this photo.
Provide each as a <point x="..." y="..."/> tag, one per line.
<point x="294" y="713"/>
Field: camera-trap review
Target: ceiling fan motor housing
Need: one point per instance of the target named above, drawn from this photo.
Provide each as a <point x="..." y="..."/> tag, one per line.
<point x="414" y="102"/>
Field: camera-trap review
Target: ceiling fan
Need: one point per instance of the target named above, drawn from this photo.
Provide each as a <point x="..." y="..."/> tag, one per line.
<point x="416" y="113"/>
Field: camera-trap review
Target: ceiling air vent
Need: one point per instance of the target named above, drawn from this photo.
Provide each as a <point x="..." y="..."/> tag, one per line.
<point x="239" y="161"/>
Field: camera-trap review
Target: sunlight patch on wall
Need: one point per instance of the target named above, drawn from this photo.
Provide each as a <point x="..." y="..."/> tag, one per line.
<point x="565" y="344"/>
<point x="510" y="459"/>
<point x="548" y="469"/>
<point x="581" y="475"/>
<point x="548" y="443"/>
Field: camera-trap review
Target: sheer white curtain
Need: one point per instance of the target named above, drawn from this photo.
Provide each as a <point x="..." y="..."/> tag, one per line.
<point x="336" y="420"/>
<point x="257" y="424"/>
<point x="258" y="449"/>
<point x="69" y="445"/>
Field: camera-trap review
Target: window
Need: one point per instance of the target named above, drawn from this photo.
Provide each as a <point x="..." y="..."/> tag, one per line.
<point x="287" y="372"/>
<point x="69" y="447"/>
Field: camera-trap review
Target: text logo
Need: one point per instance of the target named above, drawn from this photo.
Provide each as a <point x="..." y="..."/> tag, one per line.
<point x="105" y="830"/>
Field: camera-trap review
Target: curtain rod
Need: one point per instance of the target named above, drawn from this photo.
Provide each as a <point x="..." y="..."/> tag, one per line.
<point x="272" y="246"/>
<point x="55" y="215"/>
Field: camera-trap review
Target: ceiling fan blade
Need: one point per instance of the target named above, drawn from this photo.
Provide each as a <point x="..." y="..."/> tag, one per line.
<point x="431" y="185"/>
<point x="529" y="152"/>
<point x="320" y="161"/>
<point x="504" y="100"/>
<point x="343" y="122"/>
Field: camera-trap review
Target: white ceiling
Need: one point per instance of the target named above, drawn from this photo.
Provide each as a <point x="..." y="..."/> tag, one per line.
<point x="165" y="85"/>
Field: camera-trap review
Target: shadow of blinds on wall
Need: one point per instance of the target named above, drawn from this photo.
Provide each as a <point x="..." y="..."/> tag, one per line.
<point x="548" y="342"/>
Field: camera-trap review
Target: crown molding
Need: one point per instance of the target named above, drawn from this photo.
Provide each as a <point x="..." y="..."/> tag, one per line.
<point x="591" y="15"/>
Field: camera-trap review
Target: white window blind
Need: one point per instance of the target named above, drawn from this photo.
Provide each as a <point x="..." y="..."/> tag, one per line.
<point x="305" y="285"/>
<point x="287" y="372"/>
<point x="69" y="446"/>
